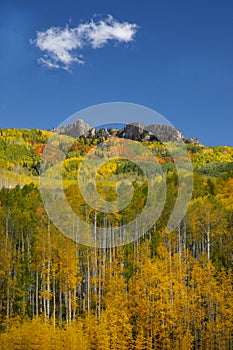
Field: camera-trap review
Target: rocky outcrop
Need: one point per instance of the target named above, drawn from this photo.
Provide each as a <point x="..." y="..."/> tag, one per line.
<point x="165" y="133"/>
<point x="192" y="140"/>
<point x="133" y="131"/>
<point x="155" y="132"/>
<point x="79" y="128"/>
<point x="162" y="133"/>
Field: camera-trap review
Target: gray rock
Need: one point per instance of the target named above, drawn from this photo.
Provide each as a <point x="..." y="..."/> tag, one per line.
<point x="79" y="128"/>
<point x="133" y="130"/>
<point x="193" y="141"/>
<point x="165" y="133"/>
<point x="162" y="133"/>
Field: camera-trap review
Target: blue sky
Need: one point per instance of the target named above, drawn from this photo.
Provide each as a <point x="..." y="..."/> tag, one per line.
<point x="179" y="62"/>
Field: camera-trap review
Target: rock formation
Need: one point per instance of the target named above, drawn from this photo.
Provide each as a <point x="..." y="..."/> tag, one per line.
<point x="133" y="131"/>
<point x="77" y="129"/>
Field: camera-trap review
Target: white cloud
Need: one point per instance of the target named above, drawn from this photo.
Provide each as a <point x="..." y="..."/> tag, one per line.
<point x="61" y="46"/>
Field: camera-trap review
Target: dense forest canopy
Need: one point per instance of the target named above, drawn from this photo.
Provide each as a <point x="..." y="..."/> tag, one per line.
<point x="162" y="291"/>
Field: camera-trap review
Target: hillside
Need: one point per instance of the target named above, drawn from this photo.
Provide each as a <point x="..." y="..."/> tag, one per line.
<point x="21" y="151"/>
<point x="164" y="290"/>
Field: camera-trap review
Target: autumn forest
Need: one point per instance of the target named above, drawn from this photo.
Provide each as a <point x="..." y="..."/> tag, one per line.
<point x="164" y="290"/>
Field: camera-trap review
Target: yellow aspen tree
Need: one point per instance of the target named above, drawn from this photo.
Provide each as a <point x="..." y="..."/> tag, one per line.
<point x="140" y="341"/>
<point x="67" y="274"/>
<point x="116" y="315"/>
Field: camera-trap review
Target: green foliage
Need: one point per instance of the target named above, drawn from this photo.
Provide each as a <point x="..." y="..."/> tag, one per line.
<point x="215" y="169"/>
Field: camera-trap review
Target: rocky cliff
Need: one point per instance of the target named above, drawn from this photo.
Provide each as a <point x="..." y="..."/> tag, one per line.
<point x="77" y="129"/>
<point x="133" y="131"/>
